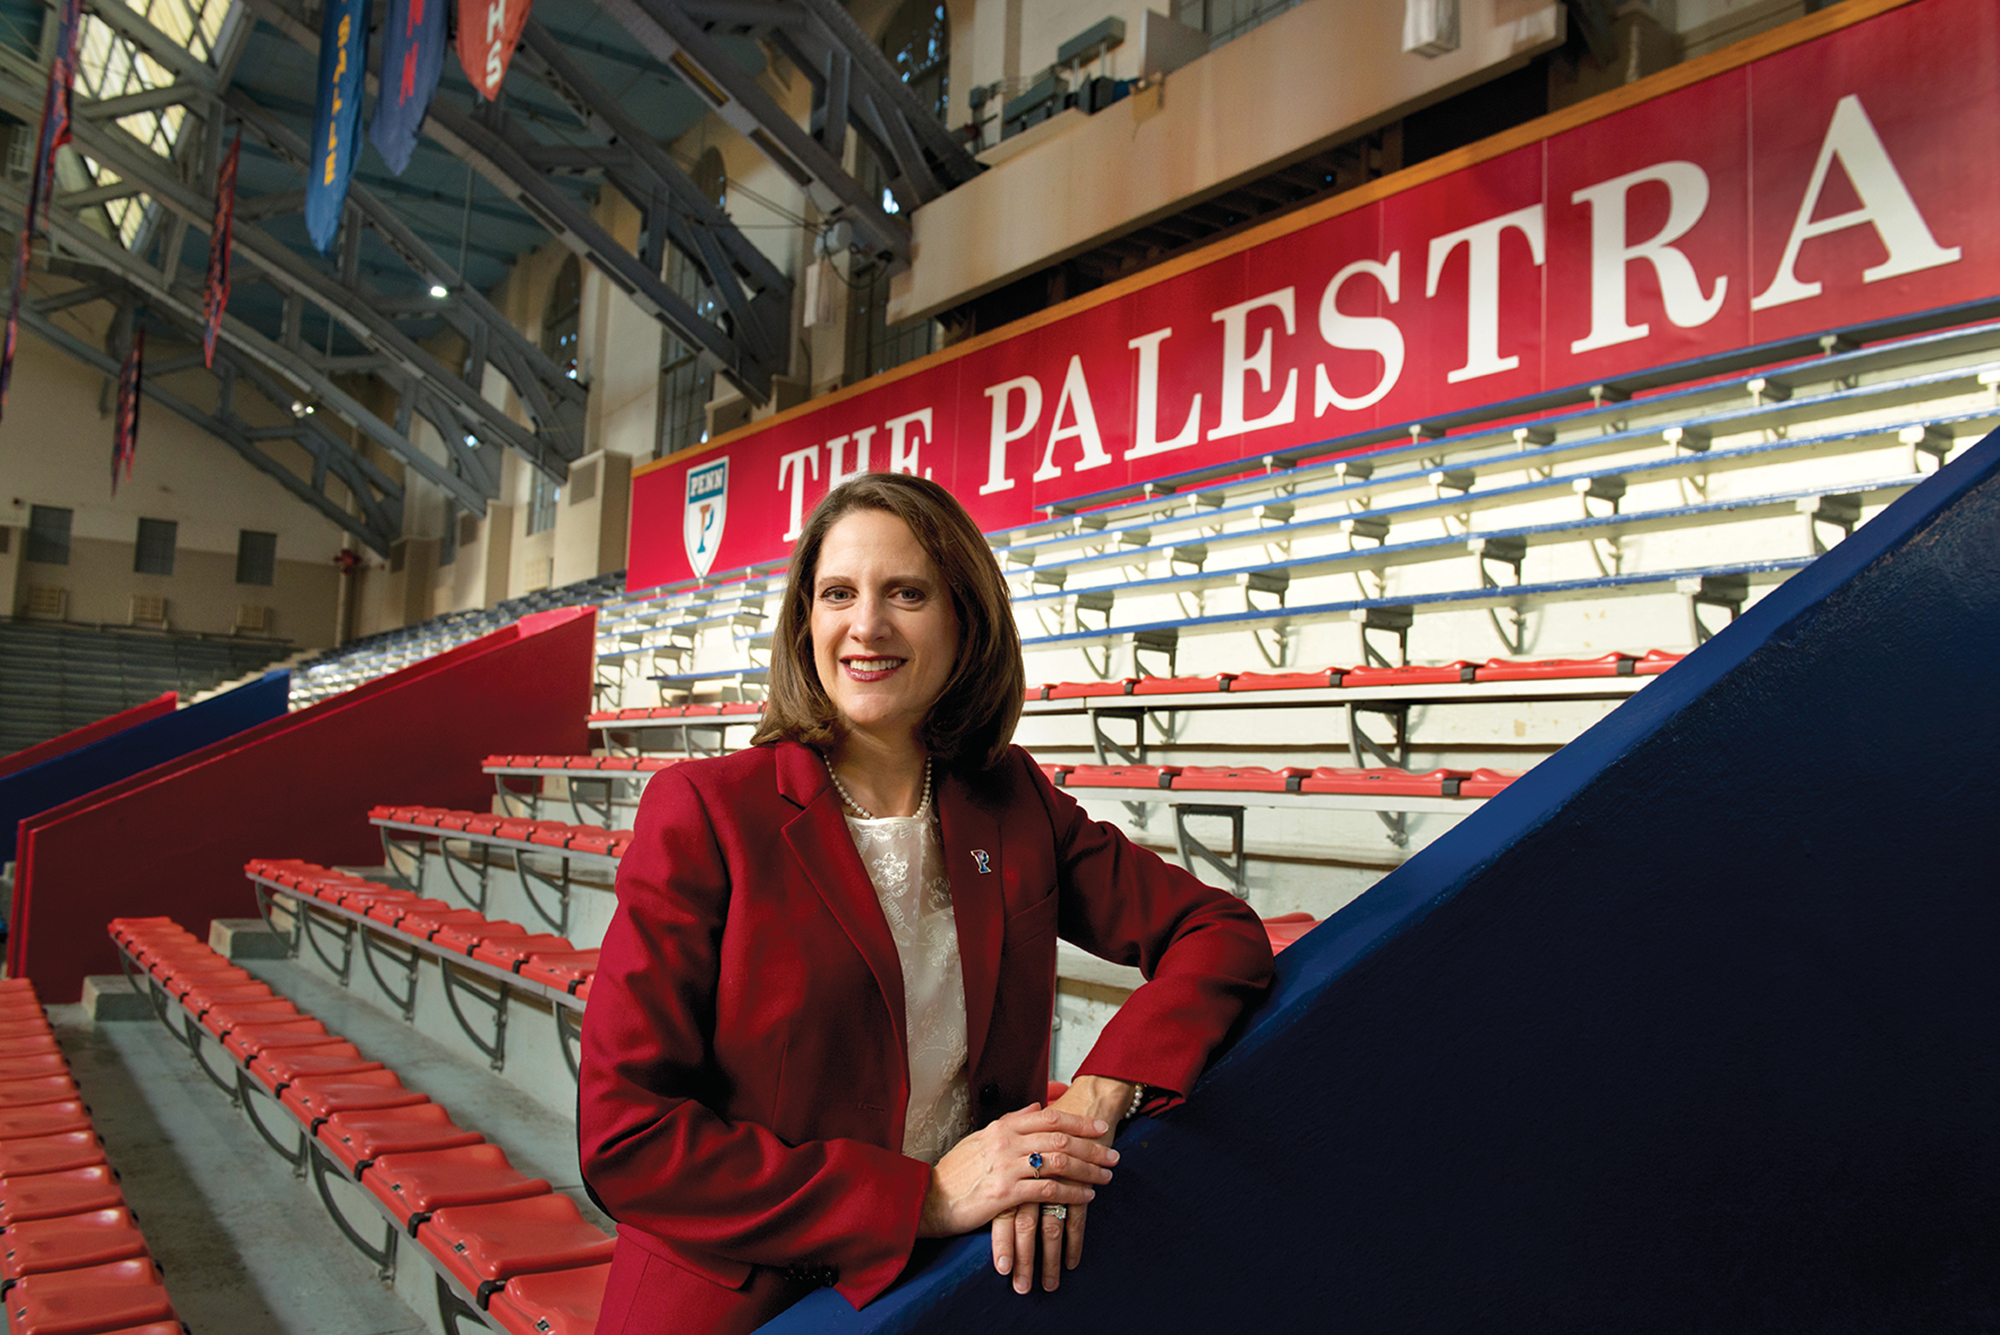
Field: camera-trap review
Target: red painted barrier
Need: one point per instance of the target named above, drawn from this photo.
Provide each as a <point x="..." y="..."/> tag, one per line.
<point x="174" y="839"/>
<point x="88" y="733"/>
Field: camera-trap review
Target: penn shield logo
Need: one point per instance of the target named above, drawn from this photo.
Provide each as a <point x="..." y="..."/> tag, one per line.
<point x="707" y="508"/>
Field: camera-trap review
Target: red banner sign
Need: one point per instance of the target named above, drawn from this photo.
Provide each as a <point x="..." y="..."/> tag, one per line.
<point x="1831" y="184"/>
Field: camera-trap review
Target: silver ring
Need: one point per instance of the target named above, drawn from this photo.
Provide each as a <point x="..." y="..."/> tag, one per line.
<point x="1055" y="1211"/>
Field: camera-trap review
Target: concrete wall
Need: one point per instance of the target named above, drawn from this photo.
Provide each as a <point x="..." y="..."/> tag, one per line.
<point x="55" y="450"/>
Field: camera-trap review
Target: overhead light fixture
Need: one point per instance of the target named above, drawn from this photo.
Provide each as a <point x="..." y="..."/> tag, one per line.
<point x="440" y="291"/>
<point x="298" y="408"/>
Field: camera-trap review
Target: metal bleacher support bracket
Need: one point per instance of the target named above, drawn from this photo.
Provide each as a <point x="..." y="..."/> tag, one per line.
<point x="1190" y="846"/>
<point x="495" y="1001"/>
<point x="1108" y="747"/>
<point x="556" y="885"/>
<point x="384" y="1256"/>
<point x="1509" y="623"/>
<point x="1728" y="592"/>
<point x="1395" y="621"/>
<point x="1366" y="751"/>
<point x="410" y="961"/>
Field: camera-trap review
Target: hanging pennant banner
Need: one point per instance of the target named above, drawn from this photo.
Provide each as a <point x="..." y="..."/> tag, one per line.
<point x="412" y="60"/>
<point x="215" y="291"/>
<point x="55" y="133"/>
<point x="487" y="32"/>
<point x="343" y="58"/>
<point x="125" y="436"/>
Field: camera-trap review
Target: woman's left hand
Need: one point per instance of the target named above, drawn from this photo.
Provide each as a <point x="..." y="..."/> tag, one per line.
<point x="1024" y="1234"/>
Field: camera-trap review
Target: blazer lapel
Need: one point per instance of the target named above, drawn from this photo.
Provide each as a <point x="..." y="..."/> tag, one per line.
<point x="972" y="858"/>
<point x="820" y="841"/>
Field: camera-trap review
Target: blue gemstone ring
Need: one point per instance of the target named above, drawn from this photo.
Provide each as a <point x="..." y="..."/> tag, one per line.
<point x="1035" y="1162"/>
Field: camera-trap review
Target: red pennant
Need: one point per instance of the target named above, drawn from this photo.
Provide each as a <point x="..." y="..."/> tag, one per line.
<point x="125" y="436"/>
<point x="487" y="32"/>
<point x="215" y="292"/>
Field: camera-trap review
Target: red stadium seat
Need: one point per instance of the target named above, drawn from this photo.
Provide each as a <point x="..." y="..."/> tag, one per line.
<point x="30" y="1093"/>
<point x="511" y="952"/>
<point x="33" y="1067"/>
<point x="1120" y="776"/>
<point x="44" y="1119"/>
<point x="1486" y="782"/>
<point x="1388" y="780"/>
<point x="1076" y="690"/>
<point x="313" y="1099"/>
<point x="1285" y="681"/>
<point x="556" y="1302"/>
<point x="277" y="1069"/>
<point x="249" y="1040"/>
<point x="93" y="1299"/>
<point x="1181" y="685"/>
<point x="1413" y="675"/>
<point x="57" y="1153"/>
<point x="27" y="1045"/>
<point x="483" y="1246"/>
<point x="1240" y="778"/>
<point x="415" y="1185"/>
<point x="566" y="970"/>
<point x="429" y="923"/>
<point x="1505" y="669"/>
<point x="357" y="1139"/>
<point x="39" y="1246"/>
<point x="590" y="839"/>
<point x="394" y="911"/>
<point x="220" y="1019"/>
<point x="1286" y="928"/>
<point x="742" y="707"/>
<point x="461" y="938"/>
<point x="53" y="1195"/>
<point x="1655" y="662"/>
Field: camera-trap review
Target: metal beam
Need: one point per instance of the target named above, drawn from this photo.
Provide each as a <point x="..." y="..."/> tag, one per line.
<point x="677" y="38"/>
<point x="146" y="99"/>
<point x="749" y="286"/>
<point x="378" y="507"/>
<point x="183" y="305"/>
<point x="550" y="450"/>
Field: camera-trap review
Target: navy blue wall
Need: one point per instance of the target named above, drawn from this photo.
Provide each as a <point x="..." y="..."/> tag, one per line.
<point x="1694" y="1028"/>
<point x="137" y="748"/>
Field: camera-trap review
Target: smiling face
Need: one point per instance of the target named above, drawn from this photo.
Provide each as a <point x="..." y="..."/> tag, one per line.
<point x="884" y="634"/>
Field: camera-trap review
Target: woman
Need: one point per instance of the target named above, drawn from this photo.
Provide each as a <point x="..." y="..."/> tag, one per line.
<point x="820" y="1023"/>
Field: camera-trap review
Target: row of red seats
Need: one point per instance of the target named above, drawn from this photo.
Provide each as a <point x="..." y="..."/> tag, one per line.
<point x="71" y="1257"/>
<point x="522" y="1251"/>
<point x="734" y="707"/>
<point x="1355" y="678"/>
<point x="539" y="957"/>
<point x="640" y="764"/>
<point x="1387" y="780"/>
<point x="553" y="834"/>
<point x="1648" y="664"/>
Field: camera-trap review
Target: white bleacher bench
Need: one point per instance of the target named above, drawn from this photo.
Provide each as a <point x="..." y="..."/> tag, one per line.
<point x="1724" y="586"/>
<point x="1472" y="433"/>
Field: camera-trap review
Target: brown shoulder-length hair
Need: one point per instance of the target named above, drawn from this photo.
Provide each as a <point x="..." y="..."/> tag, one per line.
<point x="972" y="723"/>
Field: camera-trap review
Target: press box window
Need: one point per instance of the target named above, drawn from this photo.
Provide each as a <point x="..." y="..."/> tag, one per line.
<point x="154" y="554"/>
<point x="256" y="557"/>
<point x="48" y="535"/>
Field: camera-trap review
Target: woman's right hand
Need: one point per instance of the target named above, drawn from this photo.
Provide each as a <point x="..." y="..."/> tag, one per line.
<point x="988" y="1173"/>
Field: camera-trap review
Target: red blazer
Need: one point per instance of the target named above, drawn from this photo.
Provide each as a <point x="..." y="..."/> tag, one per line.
<point x="743" y="1075"/>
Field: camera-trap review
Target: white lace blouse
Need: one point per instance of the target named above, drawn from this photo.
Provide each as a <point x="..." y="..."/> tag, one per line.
<point x="904" y="856"/>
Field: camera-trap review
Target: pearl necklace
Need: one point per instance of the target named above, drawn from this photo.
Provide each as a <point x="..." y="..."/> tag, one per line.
<point x="864" y="812"/>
